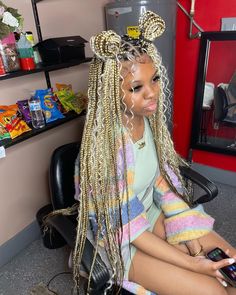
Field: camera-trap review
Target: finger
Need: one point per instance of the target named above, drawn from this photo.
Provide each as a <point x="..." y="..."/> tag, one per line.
<point x="227" y="252"/>
<point x="222" y="282"/>
<point x="223" y="262"/>
<point x="219" y="275"/>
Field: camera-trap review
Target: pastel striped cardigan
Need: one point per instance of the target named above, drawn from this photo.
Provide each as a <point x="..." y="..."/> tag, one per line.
<point x="181" y="223"/>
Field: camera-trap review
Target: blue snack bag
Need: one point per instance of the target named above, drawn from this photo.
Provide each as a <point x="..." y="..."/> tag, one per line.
<point x="48" y="105"/>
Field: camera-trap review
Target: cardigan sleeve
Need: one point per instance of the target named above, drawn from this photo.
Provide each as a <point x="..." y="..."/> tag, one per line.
<point x="134" y="221"/>
<point x="182" y="223"/>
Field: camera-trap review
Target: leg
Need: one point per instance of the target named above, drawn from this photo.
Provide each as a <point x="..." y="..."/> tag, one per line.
<point x="166" y="279"/>
<point x="208" y="241"/>
<point x="159" y="230"/>
<point x="213" y="240"/>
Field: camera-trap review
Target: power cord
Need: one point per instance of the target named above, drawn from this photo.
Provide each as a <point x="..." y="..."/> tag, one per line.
<point x="55" y="276"/>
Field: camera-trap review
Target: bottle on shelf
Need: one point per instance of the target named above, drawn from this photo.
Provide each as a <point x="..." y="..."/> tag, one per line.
<point x="36" y="112"/>
<point x="30" y="38"/>
<point x="26" y="53"/>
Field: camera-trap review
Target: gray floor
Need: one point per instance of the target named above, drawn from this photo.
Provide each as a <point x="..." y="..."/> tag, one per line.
<point x="36" y="264"/>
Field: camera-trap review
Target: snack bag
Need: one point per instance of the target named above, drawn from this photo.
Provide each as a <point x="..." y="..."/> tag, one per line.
<point x="4" y="134"/>
<point x="10" y="120"/>
<point x="49" y="106"/>
<point x="70" y="100"/>
<point x="82" y="102"/>
<point x="23" y="107"/>
<point x="59" y="104"/>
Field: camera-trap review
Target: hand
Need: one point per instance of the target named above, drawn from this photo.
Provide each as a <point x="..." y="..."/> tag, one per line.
<point x="194" y="247"/>
<point x="208" y="267"/>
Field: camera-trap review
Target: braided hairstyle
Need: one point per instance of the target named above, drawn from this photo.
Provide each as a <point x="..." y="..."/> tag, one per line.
<point x="98" y="156"/>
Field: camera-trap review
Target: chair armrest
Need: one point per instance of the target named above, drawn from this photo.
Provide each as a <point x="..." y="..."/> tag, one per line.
<point x="230" y="106"/>
<point x="67" y="229"/>
<point x="208" y="186"/>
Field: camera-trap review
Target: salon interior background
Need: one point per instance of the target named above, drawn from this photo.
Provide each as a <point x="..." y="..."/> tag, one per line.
<point x="20" y="202"/>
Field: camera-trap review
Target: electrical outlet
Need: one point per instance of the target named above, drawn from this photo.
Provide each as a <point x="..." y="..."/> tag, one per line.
<point x="228" y="24"/>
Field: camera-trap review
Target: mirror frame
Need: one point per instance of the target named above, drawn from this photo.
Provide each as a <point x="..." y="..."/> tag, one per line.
<point x="206" y="38"/>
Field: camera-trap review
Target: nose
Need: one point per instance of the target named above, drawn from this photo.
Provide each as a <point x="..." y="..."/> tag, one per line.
<point x="151" y="92"/>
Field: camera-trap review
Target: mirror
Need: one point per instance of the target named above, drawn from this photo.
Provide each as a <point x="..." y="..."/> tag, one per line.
<point x="214" y="118"/>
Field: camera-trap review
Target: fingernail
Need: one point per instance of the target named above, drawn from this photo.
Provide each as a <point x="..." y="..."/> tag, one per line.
<point x="231" y="260"/>
<point x="224" y="284"/>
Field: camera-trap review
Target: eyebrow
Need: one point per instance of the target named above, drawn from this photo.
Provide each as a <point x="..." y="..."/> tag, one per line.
<point x="138" y="81"/>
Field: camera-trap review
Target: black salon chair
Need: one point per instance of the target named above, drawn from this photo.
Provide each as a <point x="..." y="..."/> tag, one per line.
<point x="62" y="196"/>
<point x="222" y="107"/>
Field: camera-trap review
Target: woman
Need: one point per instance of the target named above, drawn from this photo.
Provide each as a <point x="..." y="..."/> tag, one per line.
<point x="131" y="193"/>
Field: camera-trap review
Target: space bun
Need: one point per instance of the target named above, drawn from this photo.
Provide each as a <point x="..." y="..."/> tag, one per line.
<point x="151" y="25"/>
<point x="106" y="44"/>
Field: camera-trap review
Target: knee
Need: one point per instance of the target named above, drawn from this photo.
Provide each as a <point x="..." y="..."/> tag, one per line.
<point x="217" y="289"/>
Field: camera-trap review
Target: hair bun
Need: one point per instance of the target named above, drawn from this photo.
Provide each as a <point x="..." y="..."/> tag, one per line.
<point x="106" y="44"/>
<point x="151" y="25"/>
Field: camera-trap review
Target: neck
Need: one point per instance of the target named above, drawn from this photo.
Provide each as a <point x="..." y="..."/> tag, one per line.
<point x="135" y="125"/>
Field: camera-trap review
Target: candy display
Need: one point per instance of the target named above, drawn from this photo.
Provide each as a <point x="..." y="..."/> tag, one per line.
<point x="49" y="106"/>
<point x="9" y="53"/>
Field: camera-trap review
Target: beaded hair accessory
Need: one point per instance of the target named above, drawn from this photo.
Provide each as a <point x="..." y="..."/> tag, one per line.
<point x="108" y="44"/>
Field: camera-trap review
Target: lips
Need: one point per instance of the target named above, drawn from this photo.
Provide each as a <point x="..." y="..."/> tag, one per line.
<point x="151" y="106"/>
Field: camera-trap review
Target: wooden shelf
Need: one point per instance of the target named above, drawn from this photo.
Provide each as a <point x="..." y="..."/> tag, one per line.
<point x="45" y="68"/>
<point x="68" y="117"/>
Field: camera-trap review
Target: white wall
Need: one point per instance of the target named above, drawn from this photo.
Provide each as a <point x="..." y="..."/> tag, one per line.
<point x="23" y="173"/>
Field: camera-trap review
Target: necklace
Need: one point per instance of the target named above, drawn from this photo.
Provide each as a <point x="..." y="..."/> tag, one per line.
<point x="141" y="145"/>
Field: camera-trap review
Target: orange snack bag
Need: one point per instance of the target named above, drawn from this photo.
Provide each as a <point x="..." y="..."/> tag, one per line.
<point x="10" y="120"/>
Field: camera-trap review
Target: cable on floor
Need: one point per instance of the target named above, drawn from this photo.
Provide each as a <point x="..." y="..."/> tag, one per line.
<point x="55" y="276"/>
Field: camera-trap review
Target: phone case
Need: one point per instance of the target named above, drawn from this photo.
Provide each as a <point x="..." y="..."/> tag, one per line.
<point x="229" y="272"/>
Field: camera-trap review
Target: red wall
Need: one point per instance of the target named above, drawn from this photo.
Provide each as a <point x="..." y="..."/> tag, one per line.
<point x="208" y="15"/>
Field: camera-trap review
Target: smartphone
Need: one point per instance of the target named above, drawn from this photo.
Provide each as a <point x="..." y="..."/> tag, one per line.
<point x="229" y="271"/>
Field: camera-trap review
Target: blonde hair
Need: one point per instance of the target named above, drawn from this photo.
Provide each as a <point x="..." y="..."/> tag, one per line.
<point x="98" y="156"/>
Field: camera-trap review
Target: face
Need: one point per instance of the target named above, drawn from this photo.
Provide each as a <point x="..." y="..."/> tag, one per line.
<point x="140" y="87"/>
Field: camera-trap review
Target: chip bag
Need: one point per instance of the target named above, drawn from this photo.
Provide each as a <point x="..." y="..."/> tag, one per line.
<point x="23" y="107"/>
<point x="4" y="134"/>
<point x="48" y="105"/>
<point x="70" y="100"/>
<point x="10" y="120"/>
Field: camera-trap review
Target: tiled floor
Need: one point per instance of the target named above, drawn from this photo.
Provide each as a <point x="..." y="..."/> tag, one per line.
<point x="37" y="264"/>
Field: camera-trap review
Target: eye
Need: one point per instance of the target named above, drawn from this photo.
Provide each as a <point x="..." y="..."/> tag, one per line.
<point x="135" y="89"/>
<point x="156" y="78"/>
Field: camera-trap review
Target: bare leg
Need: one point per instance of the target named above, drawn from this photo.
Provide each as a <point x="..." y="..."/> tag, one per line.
<point x="209" y="241"/>
<point x="213" y="240"/>
<point x="166" y="279"/>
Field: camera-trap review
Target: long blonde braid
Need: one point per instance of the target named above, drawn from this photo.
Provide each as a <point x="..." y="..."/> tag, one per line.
<point x="98" y="156"/>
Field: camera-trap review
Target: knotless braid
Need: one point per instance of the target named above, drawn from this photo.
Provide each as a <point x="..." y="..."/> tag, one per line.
<point x="99" y="189"/>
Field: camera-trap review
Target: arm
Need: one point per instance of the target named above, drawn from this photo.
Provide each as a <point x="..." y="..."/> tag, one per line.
<point x="182" y="223"/>
<point x="160" y="249"/>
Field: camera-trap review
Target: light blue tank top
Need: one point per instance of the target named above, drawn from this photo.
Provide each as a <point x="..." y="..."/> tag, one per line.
<point x="146" y="165"/>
